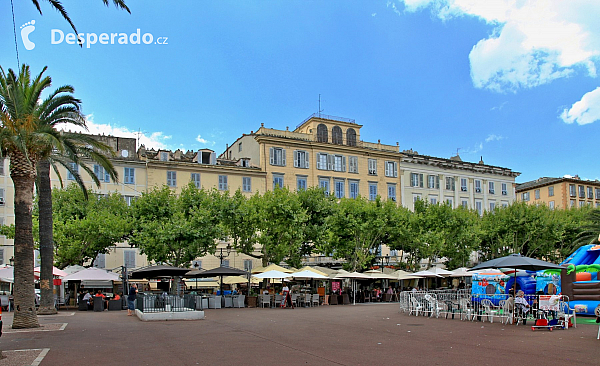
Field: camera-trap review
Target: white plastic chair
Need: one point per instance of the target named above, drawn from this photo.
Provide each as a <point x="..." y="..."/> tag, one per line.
<point x="265" y="299"/>
<point x="489" y="310"/>
<point x="433" y="306"/>
<point x="315" y="300"/>
<point x="415" y="307"/>
<point x="307" y="300"/>
<point x="565" y="313"/>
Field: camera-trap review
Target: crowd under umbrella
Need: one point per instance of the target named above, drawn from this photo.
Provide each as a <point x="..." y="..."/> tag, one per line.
<point x="158" y="271"/>
<point x="426" y="274"/>
<point x="272" y="275"/>
<point x="516" y="261"/>
<point x="353" y="276"/>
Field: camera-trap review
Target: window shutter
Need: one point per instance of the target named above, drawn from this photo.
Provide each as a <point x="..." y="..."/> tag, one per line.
<point x="395" y="170"/>
<point x="319" y="161"/>
<point x="437" y="181"/>
<point x="330" y="162"/>
<point x="106" y="176"/>
<point x="343" y="163"/>
<point x="387" y="169"/>
<point x="282" y="157"/>
<point x="306" y="160"/>
<point x="97" y="171"/>
<point x="421" y="180"/>
<point x="271" y="153"/>
<point x="295" y="158"/>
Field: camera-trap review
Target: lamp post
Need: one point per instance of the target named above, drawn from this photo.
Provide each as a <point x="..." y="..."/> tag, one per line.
<point x="385" y="260"/>
<point x="196" y="265"/>
<point x="221" y="255"/>
<point x="12" y="261"/>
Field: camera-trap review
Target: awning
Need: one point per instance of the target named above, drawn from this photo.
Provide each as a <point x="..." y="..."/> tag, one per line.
<point x="96" y="284"/>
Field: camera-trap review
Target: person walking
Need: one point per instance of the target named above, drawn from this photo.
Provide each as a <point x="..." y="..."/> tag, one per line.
<point x="131" y="299"/>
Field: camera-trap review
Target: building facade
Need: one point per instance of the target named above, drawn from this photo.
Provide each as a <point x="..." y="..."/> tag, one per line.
<point x="560" y="193"/>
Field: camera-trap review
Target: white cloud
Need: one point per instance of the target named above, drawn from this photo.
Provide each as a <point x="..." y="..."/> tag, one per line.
<point x="204" y="141"/>
<point x="493" y="137"/>
<point x="156" y="140"/>
<point x="533" y="41"/>
<point x="585" y="111"/>
<point x="373" y="14"/>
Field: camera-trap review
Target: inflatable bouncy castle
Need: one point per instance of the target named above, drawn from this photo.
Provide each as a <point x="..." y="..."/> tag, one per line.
<point x="580" y="280"/>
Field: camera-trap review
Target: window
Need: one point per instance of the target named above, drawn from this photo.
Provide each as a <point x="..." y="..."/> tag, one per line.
<point x="129" y="175"/>
<point x="246" y="184"/>
<point x="463" y="184"/>
<point x="195" y="178"/>
<point x="324" y="185"/>
<point x="581" y="192"/>
<point x="222" y="182"/>
<point x="2" y="256"/>
<point x="550" y="191"/>
<point x="101" y="173"/>
<point x="351" y="137"/>
<point x="248" y="265"/>
<point x="301" y="159"/>
<point x="339" y="188"/>
<point x="353" y="188"/>
<point x="525" y="196"/>
<point x="100" y="261"/>
<point x="477" y="186"/>
<point x="572" y="203"/>
<point x="129" y="258"/>
<point x="391" y="169"/>
<point x="504" y="204"/>
<point x="572" y="190"/>
<point x="433" y="200"/>
<point x="164" y="156"/>
<point x="464" y="203"/>
<point x="479" y="207"/>
<point x="433" y="181"/>
<point x="2" y="166"/>
<point x="338" y="163"/>
<point x="450" y="183"/>
<point x="491" y="187"/>
<point x="353" y="164"/>
<point x="336" y="135"/>
<point x="536" y="193"/>
<point x="416" y="180"/>
<point x="225" y="263"/>
<point x="590" y="191"/>
<point x="372" y="167"/>
<point x="492" y="205"/>
<point x="239" y="146"/>
<point x="391" y="188"/>
<point x="450" y="201"/>
<point x="322" y="135"/>
<point x="372" y="191"/>
<point x="551" y="205"/>
<point x="581" y="203"/>
<point x="171" y="178"/>
<point x="75" y="169"/>
<point x="504" y="190"/>
<point x="598" y="193"/>
<point x="416" y="197"/>
<point x="1" y="196"/>
<point x="277" y="156"/>
<point x="301" y="183"/>
<point x="128" y="200"/>
<point x="322" y="160"/>
<point x="277" y="181"/>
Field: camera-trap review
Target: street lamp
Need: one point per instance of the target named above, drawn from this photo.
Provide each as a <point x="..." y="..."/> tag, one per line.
<point x="221" y="255"/>
<point x="12" y="261"/>
<point x="196" y="265"/>
<point x="385" y="260"/>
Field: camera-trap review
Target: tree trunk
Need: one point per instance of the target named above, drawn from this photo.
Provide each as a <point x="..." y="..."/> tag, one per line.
<point x="46" y="239"/>
<point x="22" y="173"/>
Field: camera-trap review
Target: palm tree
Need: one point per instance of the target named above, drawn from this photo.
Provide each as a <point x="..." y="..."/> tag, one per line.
<point x="58" y="7"/>
<point x="69" y="150"/>
<point x="27" y="132"/>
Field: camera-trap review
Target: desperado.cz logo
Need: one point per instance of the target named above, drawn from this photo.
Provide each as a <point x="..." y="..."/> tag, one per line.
<point x="57" y="36"/>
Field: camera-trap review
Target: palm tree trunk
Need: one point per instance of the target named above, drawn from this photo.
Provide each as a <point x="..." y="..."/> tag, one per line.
<point x="46" y="239"/>
<point x="23" y="175"/>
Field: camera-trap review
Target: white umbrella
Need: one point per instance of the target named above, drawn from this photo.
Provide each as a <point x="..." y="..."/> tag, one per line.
<point x="461" y="272"/>
<point x="441" y="272"/>
<point x="55" y="272"/>
<point x="308" y="275"/>
<point x="354" y="276"/>
<point x="7" y="274"/>
<point x="272" y="274"/>
<point x="426" y="274"/>
<point x="379" y="275"/>
<point x="403" y="275"/>
<point x="92" y="274"/>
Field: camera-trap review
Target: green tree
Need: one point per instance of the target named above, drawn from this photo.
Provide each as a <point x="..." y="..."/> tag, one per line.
<point x="357" y="228"/>
<point x="176" y="229"/>
<point x="84" y="228"/>
<point x="27" y="131"/>
<point x="239" y="220"/>
<point x="318" y="207"/>
<point x="280" y="222"/>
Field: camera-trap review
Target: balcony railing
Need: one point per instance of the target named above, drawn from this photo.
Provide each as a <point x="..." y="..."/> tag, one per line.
<point x="326" y="116"/>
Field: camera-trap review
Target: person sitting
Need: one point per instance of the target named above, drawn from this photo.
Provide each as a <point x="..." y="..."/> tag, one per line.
<point x="87" y="297"/>
<point x="118" y="296"/>
<point x="521" y="305"/>
<point x="461" y="285"/>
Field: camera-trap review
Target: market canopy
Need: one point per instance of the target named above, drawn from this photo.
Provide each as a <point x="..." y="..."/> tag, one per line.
<point x="272" y="274"/>
<point x="517" y="261"/>
<point x="273" y="267"/>
<point x="440" y="272"/>
<point x="230" y="280"/>
<point x="308" y="275"/>
<point x="92" y="274"/>
<point x="378" y="275"/>
<point x="55" y="272"/>
<point x="315" y="270"/>
<point x="216" y="272"/>
<point x="160" y="270"/>
<point x="426" y="274"/>
<point x="461" y="272"/>
<point x="403" y="275"/>
<point x="352" y="275"/>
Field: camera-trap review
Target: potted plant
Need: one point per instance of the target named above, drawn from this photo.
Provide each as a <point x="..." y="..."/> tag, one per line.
<point x="252" y="299"/>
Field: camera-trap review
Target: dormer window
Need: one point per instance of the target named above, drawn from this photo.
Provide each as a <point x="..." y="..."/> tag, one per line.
<point x="351" y="137"/>
<point x="337" y="136"/>
<point x="164" y="156"/>
<point x="322" y="135"/>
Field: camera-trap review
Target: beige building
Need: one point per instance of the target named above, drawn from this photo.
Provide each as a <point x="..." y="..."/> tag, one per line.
<point x="560" y="193"/>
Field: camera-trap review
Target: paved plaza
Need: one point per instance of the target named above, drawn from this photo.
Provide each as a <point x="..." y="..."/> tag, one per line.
<point x="373" y="334"/>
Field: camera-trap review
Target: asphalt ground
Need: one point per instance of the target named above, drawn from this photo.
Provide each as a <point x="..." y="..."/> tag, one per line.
<point x="375" y="334"/>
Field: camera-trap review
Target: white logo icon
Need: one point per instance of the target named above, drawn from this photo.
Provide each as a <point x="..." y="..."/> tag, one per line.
<point x="26" y="30"/>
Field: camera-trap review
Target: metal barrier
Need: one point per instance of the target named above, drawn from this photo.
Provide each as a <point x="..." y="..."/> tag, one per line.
<point x="155" y="303"/>
<point x="481" y="307"/>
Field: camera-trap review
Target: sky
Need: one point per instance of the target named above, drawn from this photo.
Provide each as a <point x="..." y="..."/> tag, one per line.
<point x="511" y="82"/>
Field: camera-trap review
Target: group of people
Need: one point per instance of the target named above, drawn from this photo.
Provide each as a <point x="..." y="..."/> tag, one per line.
<point x="88" y="298"/>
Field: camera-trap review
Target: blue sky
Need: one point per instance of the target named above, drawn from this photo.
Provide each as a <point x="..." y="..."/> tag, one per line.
<point x="515" y="84"/>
